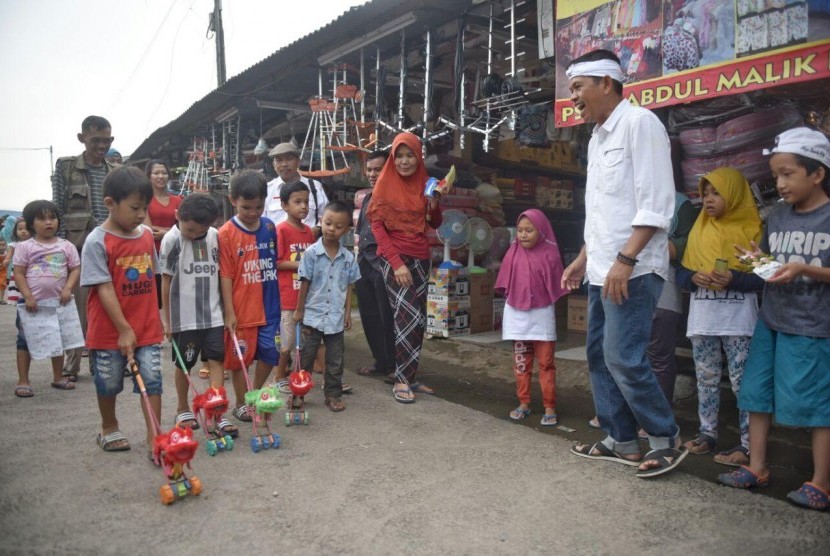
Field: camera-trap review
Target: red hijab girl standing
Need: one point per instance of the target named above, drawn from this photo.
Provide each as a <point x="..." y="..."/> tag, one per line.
<point x="398" y="213"/>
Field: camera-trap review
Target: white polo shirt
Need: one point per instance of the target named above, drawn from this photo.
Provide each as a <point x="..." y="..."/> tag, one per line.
<point x="630" y="183"/>
<point x="273" y="206"/>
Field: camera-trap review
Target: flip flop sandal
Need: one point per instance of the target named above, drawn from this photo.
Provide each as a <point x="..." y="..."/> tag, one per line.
<point x="23" y="391"/>
<point x="701" y="444"/>
<point x="389" y="379"/>
<point x="810" y="496"/>
<point x="106" y="442"/>
<point x="600" y="451"/>
<point x="549" y="420"/>
<point x="399" y="394"/>
<point x="369" y="371"/>
<point x="243" y="413"/>
<point x="65" y="384"/>
<point x="335" y="405"/>
<point x="594" y="423"/>
<point x="283" y="386"/>
<point x="227" y="428"/>
<point x="734" y="457"/>
<point x="519" y="414"/>
<point x="71" y="377"/>
<point x="204" y="373"/>
<point x="419" y="388"/>
<point x="346" y="388"/>
<point x="667" y="459"/>
<point x="744" y="477"/>
<point x="187" y="416"/>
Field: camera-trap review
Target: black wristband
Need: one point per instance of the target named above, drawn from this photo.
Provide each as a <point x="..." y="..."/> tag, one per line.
<point x="626" y="260"/>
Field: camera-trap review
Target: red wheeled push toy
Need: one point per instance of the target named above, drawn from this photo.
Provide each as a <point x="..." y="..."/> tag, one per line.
<point x="172" y="451"/>
<point x="209" y="407"/>
<point x="300" y="383"/>
<point x="265" y="401"/>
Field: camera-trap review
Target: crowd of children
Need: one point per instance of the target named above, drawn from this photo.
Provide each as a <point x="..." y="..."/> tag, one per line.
<point x="251" y="284"/>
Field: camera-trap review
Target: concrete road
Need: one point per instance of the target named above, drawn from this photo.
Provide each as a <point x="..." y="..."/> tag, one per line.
<point x="434" y="477"/>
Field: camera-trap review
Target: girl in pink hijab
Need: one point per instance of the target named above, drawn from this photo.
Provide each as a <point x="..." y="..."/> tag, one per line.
<point x="530" y="280"/>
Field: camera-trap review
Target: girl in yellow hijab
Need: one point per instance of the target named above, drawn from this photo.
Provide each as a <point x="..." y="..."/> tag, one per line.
<point x="724" y="303"/>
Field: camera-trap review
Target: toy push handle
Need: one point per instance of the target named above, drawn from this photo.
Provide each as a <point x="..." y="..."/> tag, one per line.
<point x="297" y="333"/>
<point x="132" y="365"/>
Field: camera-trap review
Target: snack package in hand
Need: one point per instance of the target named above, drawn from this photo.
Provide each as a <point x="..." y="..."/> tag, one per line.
<point x="763" y="265"/>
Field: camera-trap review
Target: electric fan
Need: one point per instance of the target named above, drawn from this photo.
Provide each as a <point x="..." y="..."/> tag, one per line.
<point x="498" y="247"/>
<point x="481" y="236"/>
<point x="453" y="232"/>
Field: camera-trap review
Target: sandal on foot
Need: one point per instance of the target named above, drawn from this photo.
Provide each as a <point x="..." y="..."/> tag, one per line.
<point x="65" y="384"/>
<point x="403" y="395"/>
<point x="594" y="423"/>
<point x="346" y="388"/>
<point x="204" y="373"/>
<point x="283" y="386"/>
<point x="113" y="442"/>
<point x="810" y="496"/>
<point x="70" y="376"/>
<point x="600" y="451"/>
<point x="734" y="457"/>
<point x="335" y="404"/>
<point x="227" y="428"/>
<point x="390" y="378"/>
<point x="421" y="388"/>
<point x="667" y="459"/>
<point x="369" y="371"/>
<point x="243" y="413"/>
<point x="519" y="414"/>
<point x="744" y="477"/>
<point x="23" y="391"/>
<point x="187" y="419"/>
<point x="701" y="444"/>
<point x="549" y="420"/>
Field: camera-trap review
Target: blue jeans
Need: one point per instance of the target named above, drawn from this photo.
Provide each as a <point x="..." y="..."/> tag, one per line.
<point x="626" y="392"/>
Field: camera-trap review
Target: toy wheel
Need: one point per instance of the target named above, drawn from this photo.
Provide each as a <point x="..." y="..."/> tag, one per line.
<point x="266" y="442"/>
<point x="228" y="443"/>
<point x="167" y="496"/>
<point x="277" y="441"/>
<point x="255" y="445"/>
<point x="210" y="447"/>
<point x="195" y="486"/>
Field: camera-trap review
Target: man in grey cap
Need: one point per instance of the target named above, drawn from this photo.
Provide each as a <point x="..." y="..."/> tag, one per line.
<point x="286" y="160"/>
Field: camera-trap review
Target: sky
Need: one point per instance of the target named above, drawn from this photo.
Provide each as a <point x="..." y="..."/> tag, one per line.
<point x="138" y="63"/>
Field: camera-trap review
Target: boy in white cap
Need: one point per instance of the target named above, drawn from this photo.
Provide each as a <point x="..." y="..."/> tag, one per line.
<point x="629" y="204"/>
<point x="788" y="370"/>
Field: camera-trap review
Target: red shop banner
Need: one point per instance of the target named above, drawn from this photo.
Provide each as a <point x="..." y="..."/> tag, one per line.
<point x="784" y="67"/>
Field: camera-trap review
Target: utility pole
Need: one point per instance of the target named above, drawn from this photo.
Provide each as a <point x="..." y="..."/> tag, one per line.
<point x="218" y="30"/>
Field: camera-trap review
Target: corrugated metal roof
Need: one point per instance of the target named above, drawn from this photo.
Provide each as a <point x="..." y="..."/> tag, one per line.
<point x="291" y="73"/>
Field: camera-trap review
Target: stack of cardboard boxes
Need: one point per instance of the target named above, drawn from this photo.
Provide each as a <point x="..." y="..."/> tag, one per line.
<point x="448" y="302"/>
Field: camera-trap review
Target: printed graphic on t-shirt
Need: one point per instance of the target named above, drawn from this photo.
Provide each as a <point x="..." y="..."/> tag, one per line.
<point x="705" y="294"/>
<point x="297" y="250"/>
<point x="138" y="271"/>
<point x="53" y="264"/>
<point x="797" y="246"/>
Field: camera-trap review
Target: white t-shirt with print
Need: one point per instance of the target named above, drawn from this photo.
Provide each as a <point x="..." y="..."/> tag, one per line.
<point x="722" y="313"/>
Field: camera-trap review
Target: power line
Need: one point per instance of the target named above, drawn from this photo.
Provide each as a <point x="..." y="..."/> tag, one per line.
<point x="141" y="60"/>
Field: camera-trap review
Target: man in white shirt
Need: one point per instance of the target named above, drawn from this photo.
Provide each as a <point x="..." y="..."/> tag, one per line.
<point x="629" y="203"/>
<point x="286" y="160"/>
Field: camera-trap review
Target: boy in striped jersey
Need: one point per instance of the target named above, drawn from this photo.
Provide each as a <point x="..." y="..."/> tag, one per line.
<point x="192" y="299"/>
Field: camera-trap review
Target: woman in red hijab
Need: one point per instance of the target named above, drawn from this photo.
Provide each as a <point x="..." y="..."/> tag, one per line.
<point x="398" y="213"/>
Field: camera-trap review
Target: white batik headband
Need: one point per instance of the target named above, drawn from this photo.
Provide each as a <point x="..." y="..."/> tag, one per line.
<point x="597" y="68"/>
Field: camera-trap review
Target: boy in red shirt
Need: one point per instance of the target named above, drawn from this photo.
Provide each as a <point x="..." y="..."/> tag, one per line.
<point x="118" y="266"/>
<point x="250" y="290"/>
<point x="293" y="238"/>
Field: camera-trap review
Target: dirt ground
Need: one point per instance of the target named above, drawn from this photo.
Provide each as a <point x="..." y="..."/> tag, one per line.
<point x="448" y="474"/>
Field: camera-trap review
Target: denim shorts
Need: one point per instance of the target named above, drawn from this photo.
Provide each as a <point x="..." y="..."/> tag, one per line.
<point x="108" y="367"/>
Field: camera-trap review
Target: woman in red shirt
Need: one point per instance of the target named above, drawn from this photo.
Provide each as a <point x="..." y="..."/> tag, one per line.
<point x="398" y="213"/>
<point x="161" y="214"/>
